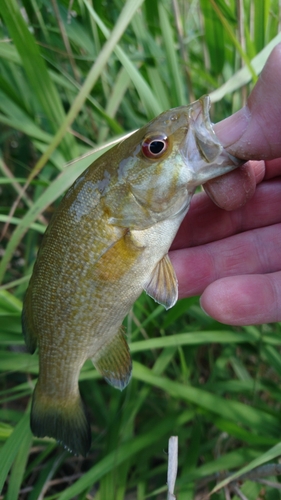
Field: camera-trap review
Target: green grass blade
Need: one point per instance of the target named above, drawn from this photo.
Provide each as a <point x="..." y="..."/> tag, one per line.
<point x="15" y="220"/>
<point x="36" y="70"/>
<point x="214" y="36"/>
<point x="17" y="118"/>
<point x="115" y="99"/>
<point x="124" y="452"/>
<point x="45" y="476"/>
<point x="260" y="21"/>
<point x="178" y="97"/>
<point x="159" y="88"/>
<point x="243" y="76"/>
<point x="18" y="468"/>
<point x="193" y="338"/>
<point x="262" y="459"/>
<point x="235" y="41"/>
<point x="147" y="97"/>
<point x="9" y="303"/>
<point x="232" y="410"/>
<point x="12" y="446"/>
<point x="125" y="17"/>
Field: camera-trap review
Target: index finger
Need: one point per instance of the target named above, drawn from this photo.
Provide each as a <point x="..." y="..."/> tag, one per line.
<point x="206" y="222"/>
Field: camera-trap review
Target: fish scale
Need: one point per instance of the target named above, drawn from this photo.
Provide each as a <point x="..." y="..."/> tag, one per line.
<point x="107" y="242"/>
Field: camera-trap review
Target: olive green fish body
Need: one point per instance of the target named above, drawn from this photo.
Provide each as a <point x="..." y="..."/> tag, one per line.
<point x="108" y="241"/>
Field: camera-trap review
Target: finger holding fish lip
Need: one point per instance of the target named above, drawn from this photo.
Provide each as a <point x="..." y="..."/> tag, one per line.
<point x="252" y="133"/>
<point x="206" y="222"/>
<point x="230" y="192"/>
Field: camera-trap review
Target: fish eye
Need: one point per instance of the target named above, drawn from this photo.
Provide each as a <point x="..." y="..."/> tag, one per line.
<point x="154" y="146"/>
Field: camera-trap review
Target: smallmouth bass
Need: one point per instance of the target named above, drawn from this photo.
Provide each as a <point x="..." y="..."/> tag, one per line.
<point x="108" y="241"/>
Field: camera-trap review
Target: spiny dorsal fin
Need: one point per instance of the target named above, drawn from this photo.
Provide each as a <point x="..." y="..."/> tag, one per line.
<point x="114" y="362"/>
<point x="163" y="284"/>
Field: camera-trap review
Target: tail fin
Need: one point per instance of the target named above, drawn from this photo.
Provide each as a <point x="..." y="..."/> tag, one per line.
<point x="64" y="420"/>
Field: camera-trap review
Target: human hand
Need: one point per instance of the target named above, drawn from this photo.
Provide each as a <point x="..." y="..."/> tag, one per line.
<point x="231" y="252"/>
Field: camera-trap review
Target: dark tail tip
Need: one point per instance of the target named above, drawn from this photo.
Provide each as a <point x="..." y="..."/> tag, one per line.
<point x="64" y="420"/>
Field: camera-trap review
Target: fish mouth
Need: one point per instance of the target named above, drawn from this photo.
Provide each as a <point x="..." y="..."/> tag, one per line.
<point x="203" y="153"/>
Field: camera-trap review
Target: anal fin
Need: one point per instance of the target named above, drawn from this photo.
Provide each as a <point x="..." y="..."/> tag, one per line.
<point x="163" y="284"/>
<point x="114" y="362"/>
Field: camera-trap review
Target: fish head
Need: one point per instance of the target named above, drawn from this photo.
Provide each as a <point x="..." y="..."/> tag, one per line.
<point x="169" y="158"/>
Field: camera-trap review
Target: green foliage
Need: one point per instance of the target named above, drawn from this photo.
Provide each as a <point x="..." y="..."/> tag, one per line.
<point x="72" y="81"/>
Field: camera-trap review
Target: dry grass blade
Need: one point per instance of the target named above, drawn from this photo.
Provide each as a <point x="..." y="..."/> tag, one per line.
<point x="172" y="466"/>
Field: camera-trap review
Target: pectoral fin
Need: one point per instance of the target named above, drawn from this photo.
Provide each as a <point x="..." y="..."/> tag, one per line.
<point x="114" y="362"/>
<point x="163" y="284"/>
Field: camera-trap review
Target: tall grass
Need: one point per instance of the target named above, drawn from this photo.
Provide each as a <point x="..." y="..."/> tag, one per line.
<point x="75" y="76"/>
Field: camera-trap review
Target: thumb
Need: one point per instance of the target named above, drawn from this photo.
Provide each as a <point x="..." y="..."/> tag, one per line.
<point x="254" y="131"/>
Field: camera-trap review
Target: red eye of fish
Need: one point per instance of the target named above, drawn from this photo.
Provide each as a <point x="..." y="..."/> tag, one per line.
<point x="154" y="146"/>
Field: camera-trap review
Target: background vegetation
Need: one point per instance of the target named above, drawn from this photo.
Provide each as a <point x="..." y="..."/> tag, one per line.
<point x="75" y="75"/>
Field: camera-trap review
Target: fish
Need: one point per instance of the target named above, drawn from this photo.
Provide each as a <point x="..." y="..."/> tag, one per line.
<point x="107" y="242"/>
